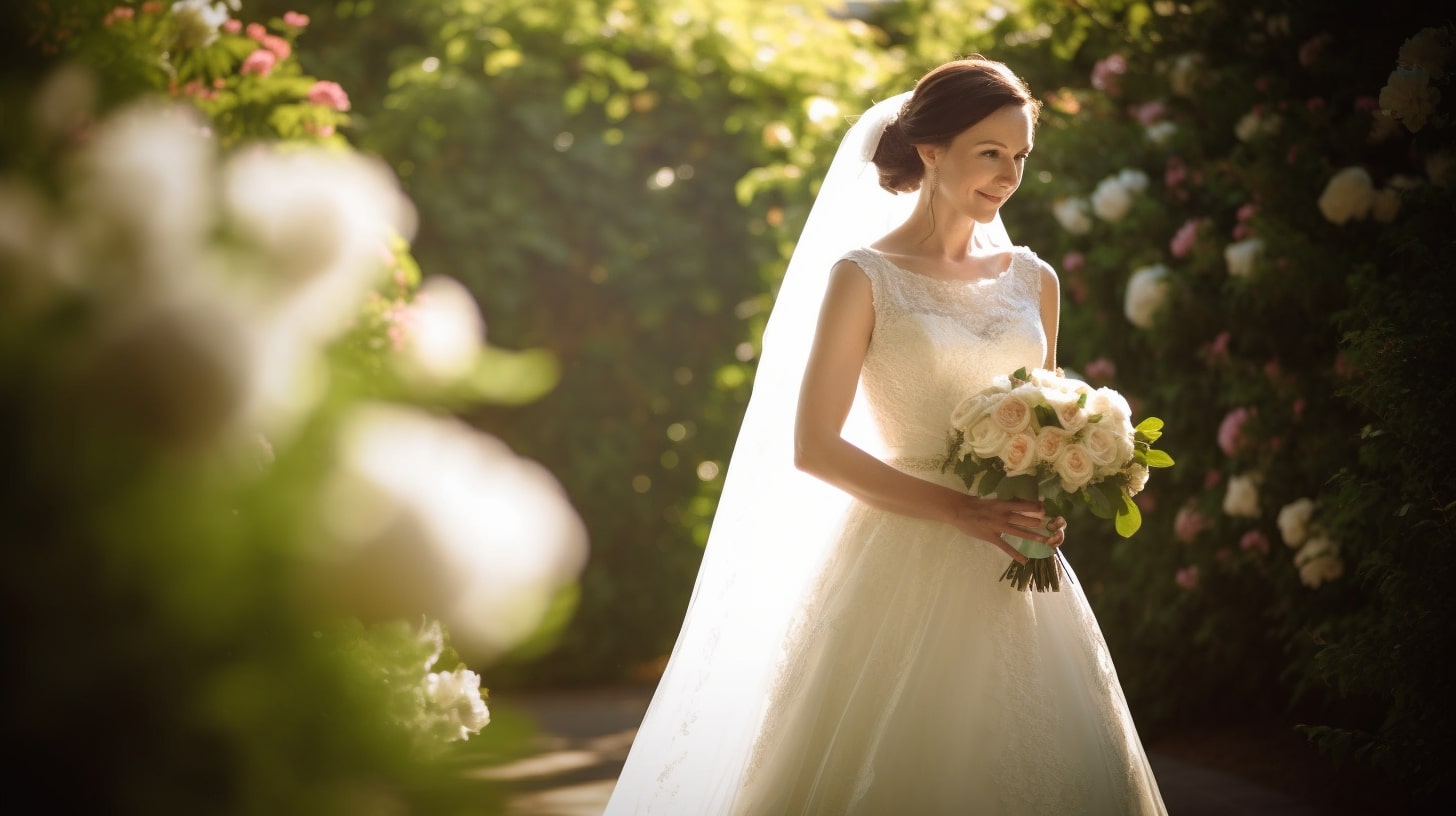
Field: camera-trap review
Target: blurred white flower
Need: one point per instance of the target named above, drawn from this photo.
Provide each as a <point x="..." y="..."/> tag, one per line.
<point x="197" y="21"/>
<point x="445" y="333"/>
<point x="1255" y="124"/>
<point x="821" y="111"/>
<point x="1112" y="199"/>
<point x="1241" y="256"/>
<point x="1160" y="132"/>
<point x="1072" y="214"/>
<point x="1428" y="50"/>
<point x="1409" y="97"/>
<point x="1147" y="291"/>
<point x="426" y="514"/>
<point x="1242" y="498"/>
<point x="1133" y="179"/>
<point x="1348" y="194"/>
<point x="1294" y="521"/>
<point x="1385" y="205"/>
<point x="317" y="219"/>
<point x="1185" y="73"/>
<point x="1318" y="562"/>
<point x="454" y="699"/>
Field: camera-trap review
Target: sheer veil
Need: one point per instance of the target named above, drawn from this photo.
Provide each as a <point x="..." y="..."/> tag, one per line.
<point x="773" y="522"/>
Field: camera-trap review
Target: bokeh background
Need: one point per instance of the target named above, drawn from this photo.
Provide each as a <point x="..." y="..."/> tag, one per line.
<point x="355" y="352"/>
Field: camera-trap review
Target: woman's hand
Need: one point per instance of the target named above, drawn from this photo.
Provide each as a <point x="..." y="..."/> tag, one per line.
<point x="990" y="519"/>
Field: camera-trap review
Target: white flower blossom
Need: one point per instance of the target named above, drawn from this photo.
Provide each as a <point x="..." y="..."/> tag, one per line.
<point x="1241" y="256"/>
<point x="1160" y="132"/>
<point x="445" y="333"/>
<point x="1409" y="97"/>
<point x="1147" y="291"/>
<point x="1319" y="562"/>
<point x="1349" y="194"/>
<point x="198" y="21"/>
<point x="1183" y="77"/>
<point x="1112" y="199"/>
<point x="1294" y="521"/>
<point x="1255" y="124"/>
<point x="1242" y="497"/>
<point x="454" y="697"/>
<point x="1133" y="179"/>
<point x="1072" y="214"/>
<point x="1428" y="51"/>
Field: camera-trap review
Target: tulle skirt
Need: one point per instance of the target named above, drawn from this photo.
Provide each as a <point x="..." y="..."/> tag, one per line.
<point x="917" y="683"/>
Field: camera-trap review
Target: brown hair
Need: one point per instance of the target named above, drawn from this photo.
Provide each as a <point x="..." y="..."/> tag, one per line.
<point x="946" y="101"/>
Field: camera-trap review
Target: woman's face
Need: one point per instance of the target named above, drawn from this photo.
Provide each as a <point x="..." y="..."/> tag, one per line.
<point x="982" y="165"/>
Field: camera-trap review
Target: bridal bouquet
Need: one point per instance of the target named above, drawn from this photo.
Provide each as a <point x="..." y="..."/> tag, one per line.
<point x="1042" y="436"/>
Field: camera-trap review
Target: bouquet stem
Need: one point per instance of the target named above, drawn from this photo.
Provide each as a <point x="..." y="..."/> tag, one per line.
<point x="1037" y="574"/>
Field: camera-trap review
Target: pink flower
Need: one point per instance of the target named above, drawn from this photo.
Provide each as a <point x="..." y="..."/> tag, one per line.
<point x="1313" y="48"/>
<point x="232" y="26"/>
<point x="1219" y="346"/>
<point x="318" y="130"/>
<point x="277" y="45"/>
<point x="1211" y="479"/>
<point x="1262" y="84"/>
<point x="1315" y="104"/>
<point x="1367" y="104"/>
<point x="1107" y="74"/>
<point x="256" y="31"/>
<point x="1185" y="238"/>
<point x="1187" y="578"/>
<point x="329" y="94"/>
<point x="1150" y="112"/>
<point x="1274" y="371"/>
<point x="1174" y="173"/>
<point x="1146" y="502"/>
<point x="1188" y="523"/>
<point x="1231" y="430"/>
<point x="1241" y="231"/>
<point x="151" y="7"/>
<point x="118" y="13"/>
<point x="1255" y="540"/>
<point x="295" y="19"/>
<point x="1292" y="154"/>
<point x="1073" y="262"/>
<point x="1100" y="370"/>
<point x="259" y="62"/>
<point x="1274" y="444"/>
<point x="1247" y="211"/>
<point x="1297" y="408"/>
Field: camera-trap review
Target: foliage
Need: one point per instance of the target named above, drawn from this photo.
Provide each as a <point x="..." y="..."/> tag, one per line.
<point x="208" y="345"/>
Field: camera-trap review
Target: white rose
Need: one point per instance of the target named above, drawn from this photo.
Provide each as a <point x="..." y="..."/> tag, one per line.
<point x="1137" y="479"/>
<point x="1349" y="194"/>
<point x="445" y="333"/>
<point x="1071" y="213"/>
<point x="1110" y="404"/>
<point x="1012" y="414"/>
<point x="1409" y="97"/>
<point x="970" y="410"/>
<point x="1019" y="454"/>
<point x="1072" y="416"/>
<point x="1112" y="199"/>
<point x="1242" y="498"/>
<point x="1254" y="124"/>
<point x="1050" y="443"/>
<point x="1294" y="521"/>
<point x="1133" y="179"/>
<point x="1147" y="291"/>
<point x="1241" y="256"/>
<point x="1319" y="561"/>
<point x="1428" y="51"/>
<point x="1075" y="467"/>
<point x="1386" y="205"/>
<point x="1160" y="132"/>
<point x="1101" y="443"/>
<point x="985" y="438"/>
<point x="454" y="698"/>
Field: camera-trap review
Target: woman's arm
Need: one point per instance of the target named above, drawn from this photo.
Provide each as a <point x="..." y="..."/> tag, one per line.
<point x="841" y="340"/>
<point x="1051" y="312"/>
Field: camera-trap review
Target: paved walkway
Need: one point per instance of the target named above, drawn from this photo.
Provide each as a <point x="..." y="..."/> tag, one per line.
<point x="583" y="736"/>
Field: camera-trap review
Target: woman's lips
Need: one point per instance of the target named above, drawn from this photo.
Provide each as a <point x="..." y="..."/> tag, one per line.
<point x="991" y="198"/>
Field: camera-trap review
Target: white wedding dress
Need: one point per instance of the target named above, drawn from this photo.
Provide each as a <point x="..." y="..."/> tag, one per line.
<point x="915" y="682"/>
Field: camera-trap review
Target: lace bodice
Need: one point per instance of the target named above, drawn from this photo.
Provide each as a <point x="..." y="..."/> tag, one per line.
<point x="936" y="341"/>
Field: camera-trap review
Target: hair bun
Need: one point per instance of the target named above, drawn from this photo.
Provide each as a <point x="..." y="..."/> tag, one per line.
<point x="897" y="161"/>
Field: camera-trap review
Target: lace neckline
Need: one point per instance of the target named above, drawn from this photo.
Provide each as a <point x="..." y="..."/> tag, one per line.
<point x="952" y="282"/>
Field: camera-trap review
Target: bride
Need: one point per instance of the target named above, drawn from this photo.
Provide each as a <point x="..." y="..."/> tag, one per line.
<point x="848" y="647"/>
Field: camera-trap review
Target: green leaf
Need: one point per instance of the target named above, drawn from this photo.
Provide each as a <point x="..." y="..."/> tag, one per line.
<point x="990" y="481"/>
<point x="1018" y="487"/>
<point x="1129" y="518"/>
<point x="1158" y="459"/>
<point x="1019" y="374"/>
<point x="1046" y="417"/>
<point x="1149" y="430"/>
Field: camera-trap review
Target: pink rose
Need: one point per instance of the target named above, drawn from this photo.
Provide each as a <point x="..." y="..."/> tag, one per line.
<point x="1073" y="262"/>
<point x="256" y="31"/>
<point x="1150" y="112"/>
<point x="1050" y="443"/>
<point x="1185" y="238"/>
<point x="1219" y="346"/>
<point x="328" y="94"/>
<point x="295" y="19"/>
<point x="118" y="13"/>
<point x="1071" y="415"/>
<point x="1211" y="479"/>
<point x="1255" y="540"/>
<point x="1188" y="523"/>
<point x="1100" y="370"/>
<point x="259" y="62"/>
<point x="1187" y="577"/>
<point x="1107" y="74"/>
<point x="232" y="26"/>
<point x="1175" y="171"/>
<point x="277" y="45"/>
<point x="1247" y="211"/>
<point x="1231" y="430"/>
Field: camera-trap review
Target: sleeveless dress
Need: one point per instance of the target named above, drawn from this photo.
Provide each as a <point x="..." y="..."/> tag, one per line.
<point x="915" y="682"/>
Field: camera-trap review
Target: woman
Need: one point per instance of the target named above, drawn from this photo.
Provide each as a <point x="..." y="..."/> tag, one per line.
<point x="849" y="649"/>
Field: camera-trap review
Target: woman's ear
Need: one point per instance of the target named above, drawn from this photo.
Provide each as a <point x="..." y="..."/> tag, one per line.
<point x="929" y="154"/>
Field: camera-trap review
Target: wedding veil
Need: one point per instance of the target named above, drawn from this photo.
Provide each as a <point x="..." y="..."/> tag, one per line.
<point x="773" y="523"/>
